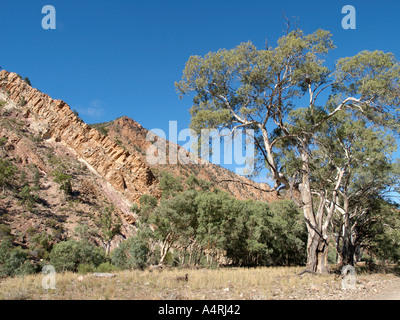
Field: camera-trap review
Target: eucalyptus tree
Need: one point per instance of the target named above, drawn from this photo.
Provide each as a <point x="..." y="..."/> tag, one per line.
<point x="175" y="221"/>
<point x="282" y="93"/>
<point x="353" y="174"/>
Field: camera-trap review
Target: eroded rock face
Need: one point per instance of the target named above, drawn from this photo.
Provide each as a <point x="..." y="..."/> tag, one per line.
<point x="53" y="119"/>
<point x="133" y="137"/>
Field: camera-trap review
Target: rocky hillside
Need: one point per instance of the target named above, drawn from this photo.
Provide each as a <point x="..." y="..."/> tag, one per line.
<point x="42" y="139"/>
<point x="132" y="136"/>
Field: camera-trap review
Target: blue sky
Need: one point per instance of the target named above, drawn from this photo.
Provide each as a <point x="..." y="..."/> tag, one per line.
<point x="107" y="58"/>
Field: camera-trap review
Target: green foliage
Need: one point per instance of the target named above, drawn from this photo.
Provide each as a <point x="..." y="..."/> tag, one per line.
<point x="26" y="268"/>
<point x="110" y="226"/>
<point x="36" y="178"/>
<point x="85" y="268"/>
<point x="134" y="208"/>
<point x="5" y="231"/>
<point x="170" y="185"/>
<point x="385" y="242"/>
<point x="63" y="180"/>
<point x="41" y="245"/>
<point x="68" y="255"/>
<point x="102" y="129"/>
<point x="194" y="183"/>
<point x="83" y="232"/>
<point x="22" y="101"/>
<point x="147" y="205"/>
<point x="118" y="141"/>
<point x="7" y="172"/>
<point x="14" y="260"/>
<point x="106" y="267"/>
<point x="133" y="253"/>
<point x="290" y="234"/>
<point x="26" y="79"/>
<point x="248" y="232"/>
<point x="304" y="145"/>
<point x="27" y="197"/>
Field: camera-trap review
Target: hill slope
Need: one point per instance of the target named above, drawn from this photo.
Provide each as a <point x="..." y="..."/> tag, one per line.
<point x="132" y="136"/>
<point x="41" y="137"/>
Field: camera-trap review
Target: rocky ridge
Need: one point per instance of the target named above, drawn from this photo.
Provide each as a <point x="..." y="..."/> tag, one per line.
<point x="54" y="120"/>
<point x="133" y="136"/>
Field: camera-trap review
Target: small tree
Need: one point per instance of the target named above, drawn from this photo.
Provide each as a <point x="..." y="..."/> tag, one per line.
<point x="170" y="185"/>
<point x="110" y="226"/>
<point x="7" y="172"/>
<point x="68" y="255"/>
<point x="64" y="181"/>
<point x="132" y="253"/>
<point x="175" y="221"/>
<point x="147" y="205"/>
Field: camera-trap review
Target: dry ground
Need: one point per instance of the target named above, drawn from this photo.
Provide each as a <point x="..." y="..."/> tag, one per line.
<point x="222" y="284"/>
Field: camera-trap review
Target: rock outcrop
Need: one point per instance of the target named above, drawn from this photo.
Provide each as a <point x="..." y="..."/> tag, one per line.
<point x="133" y="137"/>
<point x="54" y="119"/>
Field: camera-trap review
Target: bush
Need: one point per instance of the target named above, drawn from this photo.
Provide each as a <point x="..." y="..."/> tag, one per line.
<point x="27" y="198"/>
<point x="14" y="261"/>
<point x="106" y="267"/>
<point x="64" y="181"/>
<point x="5" y="231"/>
<point x="68" y="255"/>
<point x="22" y="102"/>
<point x="84" y="268"/>
<point x="7" y="172"/>
<point x="26" y="268"/>
<point x="3" y="140"/>
<point x="26" y="79"/>
<point x="132" y="253"/>
<point x="41" y="244"/>
<point x="102" y="129"/>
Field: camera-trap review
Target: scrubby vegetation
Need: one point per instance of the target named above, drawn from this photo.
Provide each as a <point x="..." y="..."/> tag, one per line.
<point x="195" y="225"/>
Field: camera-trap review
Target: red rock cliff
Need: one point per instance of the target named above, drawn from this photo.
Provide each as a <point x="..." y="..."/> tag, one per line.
<point x="126" y="172"/>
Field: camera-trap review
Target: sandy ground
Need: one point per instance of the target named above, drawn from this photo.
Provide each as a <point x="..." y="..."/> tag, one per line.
<point x="391" y="292"/>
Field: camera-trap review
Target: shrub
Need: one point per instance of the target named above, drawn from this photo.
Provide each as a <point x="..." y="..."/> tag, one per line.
<point x="64" y="181"/>
<point x="26" y="79"/>
<point x="7" y="171"/>
<point x="84" y="268"/>
<point x="41" y="244"/>
<point x="5" y="231"/>
<point x="26" y="268"/>
<point x="3" y="140"/>
<point x="132" y="253"/>
<point x="106" y="267"/>
<point x="102" y="129"/>
<point x="118" y="142"/>
<point x="22" y="102"/>
<point x="110" y="226"/>
<point x="27" y="197"/>
<point x="68" y="255"/>
<point x="13" y="261"/>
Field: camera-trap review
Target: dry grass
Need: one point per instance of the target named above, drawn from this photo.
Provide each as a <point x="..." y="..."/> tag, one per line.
<point x="221" y="284"/>
<point x="235" y="283"/>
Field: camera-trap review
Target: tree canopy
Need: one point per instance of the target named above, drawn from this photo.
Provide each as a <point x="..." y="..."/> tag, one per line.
<point x="288" y="94"/>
